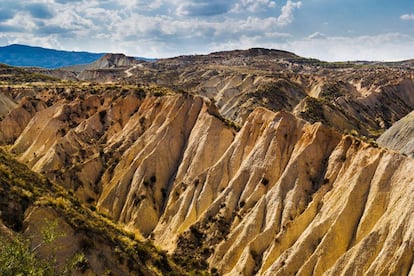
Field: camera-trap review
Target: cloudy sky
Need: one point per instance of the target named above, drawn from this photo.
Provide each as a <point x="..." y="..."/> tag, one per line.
<point x="324" y="29"/>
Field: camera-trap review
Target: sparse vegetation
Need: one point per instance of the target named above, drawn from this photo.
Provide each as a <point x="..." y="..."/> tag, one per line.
<point x="264" y="181"/>
<point x="17" y="258"/>
<point x="314" y="110"/>
<point x="23" y="188"/>
<point x="228" y="123"/>
<point x="316" y="91"/>
<point x="14" y="75"/>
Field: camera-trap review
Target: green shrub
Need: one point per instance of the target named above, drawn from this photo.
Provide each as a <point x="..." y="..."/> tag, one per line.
<point x="17" y="257"/>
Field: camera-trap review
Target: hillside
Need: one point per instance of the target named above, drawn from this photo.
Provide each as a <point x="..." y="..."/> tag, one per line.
<point x="28" y="201"/>
<point x="400" y="136"/>
<point x="274" y="185"/>
<point x="258" y="200"/>
<point x="348" y="96"/>
<point x="30" y="56"/>
<point x="22" y="55"/>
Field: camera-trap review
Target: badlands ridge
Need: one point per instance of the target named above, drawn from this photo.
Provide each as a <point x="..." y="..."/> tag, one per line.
<point x="232" y="167"/>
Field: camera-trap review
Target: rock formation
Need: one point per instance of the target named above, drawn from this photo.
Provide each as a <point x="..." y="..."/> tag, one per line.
<point x="347" y="96"/>
<point x="107" y="68"/>
<point x="60" y="227"/>
<point x="6" y="104"/>
<point x="283" y="190"/>
<point x="400" y="136"/>
<point x="281" y="196"/>
<point x="112" y="61"/>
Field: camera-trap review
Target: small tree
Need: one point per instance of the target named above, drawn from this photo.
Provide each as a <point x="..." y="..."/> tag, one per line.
<point x="18" y="257"/>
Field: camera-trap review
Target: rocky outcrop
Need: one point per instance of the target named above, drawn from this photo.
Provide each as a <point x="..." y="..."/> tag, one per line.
<point x="350" y="96"/>
<point x="281" y="196"/>
<point x="279" y="192"/>
<point x="400" y="136"/>
<point x="107" y="68"/>
<point x="15" y="121"/>
<point x="355" y="96"/>
<point x="6" y="104"/>
<point x="112" y="61"/>
<point x="175" y="143"/>
<point x="101" y="75"/>
<point x="66" y="233"/>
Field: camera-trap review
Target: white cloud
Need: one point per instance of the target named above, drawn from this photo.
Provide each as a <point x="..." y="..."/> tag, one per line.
<point x="383" y="47"/>
<point x="159" y="29"/>
<point x="22" y="20"/>
<point x="147" y="5"/>
<point x="407" y="16"/>
<point x="388" y="47"/>
<point x="286" y="17"/>
<point x="50" y="41"/>
<point x="253" y="5"/>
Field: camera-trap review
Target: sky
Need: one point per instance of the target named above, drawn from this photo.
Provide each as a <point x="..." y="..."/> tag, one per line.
<point x="331" y="30"/>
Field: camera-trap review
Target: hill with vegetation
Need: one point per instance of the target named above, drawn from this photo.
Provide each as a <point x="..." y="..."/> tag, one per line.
<point x="255" y="162"/>
<point x="40" y="220"/>
<point x="29" y="56"/>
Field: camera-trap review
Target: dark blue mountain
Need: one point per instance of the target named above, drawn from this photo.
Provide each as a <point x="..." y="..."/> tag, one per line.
<point x="22" y="55"/>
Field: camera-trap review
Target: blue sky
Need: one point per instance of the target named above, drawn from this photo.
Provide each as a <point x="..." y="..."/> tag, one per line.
<point x="324" y="29"/>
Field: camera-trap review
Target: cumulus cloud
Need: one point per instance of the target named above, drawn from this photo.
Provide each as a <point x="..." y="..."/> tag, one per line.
<point x="67" y="1"/>
<point x="21" y="21"/>
<point x="253" y="5"/>
<point x="51" y="41"/>
<point x="388" y="47"/>
<point x="286" y="17"/>
<point x="157" y="28"/>
<point x="8" y="9"/>
<point x="9" y="29"/>
<point x="407" y="16"/>
<point x="142" y="5"/>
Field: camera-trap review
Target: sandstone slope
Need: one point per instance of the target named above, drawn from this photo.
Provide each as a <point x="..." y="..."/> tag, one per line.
<point x="6" y="104"/>
<point x="400" y="136"/>
<point x="281" y="196"/>
<point x="347" y="96"/>
<point x="29" y="202"/>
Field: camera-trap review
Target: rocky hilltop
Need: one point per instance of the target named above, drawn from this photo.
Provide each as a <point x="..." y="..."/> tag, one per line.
<point x="287" y="187"/>
<point x="349" y="96"/>
<point x="346" y="96"/>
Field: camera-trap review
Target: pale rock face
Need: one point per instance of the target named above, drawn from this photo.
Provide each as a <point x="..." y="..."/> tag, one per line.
<point x="294" y="197"/>
<point x="112" y="61"/>
<point x="16" y="119"/>
<point x="140" y="184"/>
<point x="368" y="99"/>
<point x="5" y="232"/>
<point x="6" y="104"/>
<point x="279" y="197"/>
<point x="107" y="68"/>
<point x="400" y="136"/>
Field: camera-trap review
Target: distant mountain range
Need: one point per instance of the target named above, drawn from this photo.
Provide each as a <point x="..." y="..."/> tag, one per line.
<point x="23" y="55"/>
